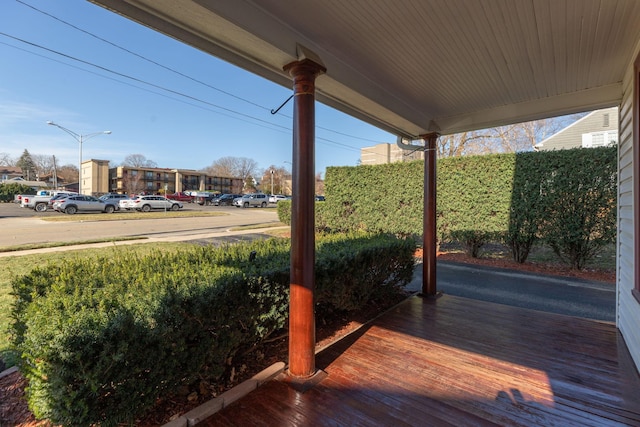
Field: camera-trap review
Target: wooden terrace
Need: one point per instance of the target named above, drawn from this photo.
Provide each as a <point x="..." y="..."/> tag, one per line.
<point x="456" y="361"/>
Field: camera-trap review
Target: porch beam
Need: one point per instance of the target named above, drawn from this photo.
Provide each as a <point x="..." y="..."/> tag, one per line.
<point x="302" y="333"/>
<point x="429" y="240"/>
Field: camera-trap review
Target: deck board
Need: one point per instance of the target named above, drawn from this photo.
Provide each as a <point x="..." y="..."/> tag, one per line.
<point x="456" y="361"/>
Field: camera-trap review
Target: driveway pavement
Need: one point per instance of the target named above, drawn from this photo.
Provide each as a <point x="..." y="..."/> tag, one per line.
<point x="570" y="296"/>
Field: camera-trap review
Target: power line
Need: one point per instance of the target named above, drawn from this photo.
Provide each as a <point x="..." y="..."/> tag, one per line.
<point x="262" y="123"/>
<point x="176" y="71"/>
<point x="140" y="56"/>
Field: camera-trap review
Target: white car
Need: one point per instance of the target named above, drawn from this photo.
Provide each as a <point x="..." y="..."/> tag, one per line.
<point x="148" y="203"/>
<point x="275" y="198"/>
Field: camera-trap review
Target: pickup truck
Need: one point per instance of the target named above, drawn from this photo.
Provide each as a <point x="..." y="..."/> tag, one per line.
<point x="204" y="198"/>
<point x="40" y="200"/>
<point x="180" y="196"/>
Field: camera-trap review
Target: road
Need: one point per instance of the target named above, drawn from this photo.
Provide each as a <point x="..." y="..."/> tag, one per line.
<point x="22" y="226"/>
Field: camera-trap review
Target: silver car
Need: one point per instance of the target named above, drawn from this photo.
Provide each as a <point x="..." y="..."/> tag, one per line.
<point x="148" y="203"/>
<point x="81" y="203"/>
<point x="113" y="198"/>
<point x="253" y="199"/>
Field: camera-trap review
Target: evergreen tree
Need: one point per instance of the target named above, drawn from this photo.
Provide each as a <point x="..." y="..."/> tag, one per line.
<point x="28" y="166"/>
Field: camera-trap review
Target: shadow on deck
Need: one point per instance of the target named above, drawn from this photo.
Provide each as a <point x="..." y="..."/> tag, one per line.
<point x="462" y="362"/>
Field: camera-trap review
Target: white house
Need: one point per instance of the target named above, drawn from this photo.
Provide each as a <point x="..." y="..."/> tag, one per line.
<point x="597" y="129"/>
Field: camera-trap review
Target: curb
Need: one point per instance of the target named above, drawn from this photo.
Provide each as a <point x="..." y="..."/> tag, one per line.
<point x="8" y="372"/>
<point x="207" y="409"/>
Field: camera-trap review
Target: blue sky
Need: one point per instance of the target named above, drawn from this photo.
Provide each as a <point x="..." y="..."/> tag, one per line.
<point x="228" y="115"/>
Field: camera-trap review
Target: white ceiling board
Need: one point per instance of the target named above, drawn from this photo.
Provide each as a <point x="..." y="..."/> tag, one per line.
<point x="414" y="66"/>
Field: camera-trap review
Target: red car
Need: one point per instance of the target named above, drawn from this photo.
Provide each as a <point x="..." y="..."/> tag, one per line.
<point x="181" y="197"/>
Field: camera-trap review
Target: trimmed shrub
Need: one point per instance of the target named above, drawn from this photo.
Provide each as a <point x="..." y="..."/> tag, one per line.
<point x="284" y="211"/>
<point x="526" y="209"/>
<point x="579" y="201"/>
<point x="102" y="339"/>
<point x="474" y="195"/>
<point x="9" y="191"/>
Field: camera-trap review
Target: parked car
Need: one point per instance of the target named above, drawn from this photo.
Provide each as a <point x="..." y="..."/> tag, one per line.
<point x="40" y="201"/>
<point x="225" y="199"/>
<point x="125" y="203"/>
<point x="148" y="203"/>
<point x="181" y="197"/>
<point x="114" y="198"/>
<point x="80" y="203"/>
<point x="251" y="200"/>
<point x="320" y="198"/>
<point x="275" y="198"/>
<point x="59" y="196"/>
<point x="205" y="199"/>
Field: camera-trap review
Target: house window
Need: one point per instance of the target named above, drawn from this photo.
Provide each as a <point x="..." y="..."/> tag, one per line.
<point x="605" y="120"/>
<point x="599" y="139"/>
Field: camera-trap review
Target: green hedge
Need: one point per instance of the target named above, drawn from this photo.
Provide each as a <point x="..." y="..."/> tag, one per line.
<point x="9" y="191"/>
<point x="578" y="203"/>
<point x="101" y="340"/>
<point x="565" y="198"/>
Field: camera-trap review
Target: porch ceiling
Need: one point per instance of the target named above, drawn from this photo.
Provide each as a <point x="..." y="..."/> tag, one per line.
<point x="416" y="66"/>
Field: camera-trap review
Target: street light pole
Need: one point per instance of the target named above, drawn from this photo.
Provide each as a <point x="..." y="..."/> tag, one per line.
<point x="80" y="138"/>
<point x="272" y="181"/>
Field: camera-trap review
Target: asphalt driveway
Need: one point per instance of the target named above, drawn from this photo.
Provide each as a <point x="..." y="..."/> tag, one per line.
<point x="562" y="295"/>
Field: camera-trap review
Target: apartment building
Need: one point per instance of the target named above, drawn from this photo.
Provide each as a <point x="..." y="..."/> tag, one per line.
<point x="132" y="180"/>
<point x="387" y="153"/>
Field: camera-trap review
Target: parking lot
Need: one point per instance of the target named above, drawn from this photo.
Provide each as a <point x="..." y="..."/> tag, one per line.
<point x="25" y="226"/>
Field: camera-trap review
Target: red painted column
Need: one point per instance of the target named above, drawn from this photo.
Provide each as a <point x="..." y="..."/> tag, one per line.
<point x="429" y="240"/>
<point x="302" y="331"/>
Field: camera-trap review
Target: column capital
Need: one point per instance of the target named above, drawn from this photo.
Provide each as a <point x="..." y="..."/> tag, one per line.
<point x="305" y="67"/>
<point x="430" y="135"/>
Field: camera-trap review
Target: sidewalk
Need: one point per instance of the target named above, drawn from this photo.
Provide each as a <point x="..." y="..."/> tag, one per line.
<point x="145" y="239"/>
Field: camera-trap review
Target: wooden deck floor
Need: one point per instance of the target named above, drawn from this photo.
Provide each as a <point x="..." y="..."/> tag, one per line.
<point x="461" y="362"/>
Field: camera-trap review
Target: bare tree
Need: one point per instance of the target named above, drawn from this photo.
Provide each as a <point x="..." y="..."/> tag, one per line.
<point x="132" y="183"/>
<point x="464" y="143"/>
<point x="234" y="167"/>
<point x="67" y="173"/>
<point x="279" y="177"/>
<point x="138" y="161"/>
<point x="7" y="160"/>
<point x="247" y="168"/>
<point x="223" y="167"/>
<point x="504" y="139"/>
<point x="43" y="164"/>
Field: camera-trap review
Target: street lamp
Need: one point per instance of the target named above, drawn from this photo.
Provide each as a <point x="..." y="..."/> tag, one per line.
<point x="272" y="171"/>
<point x="80" y="138"/>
